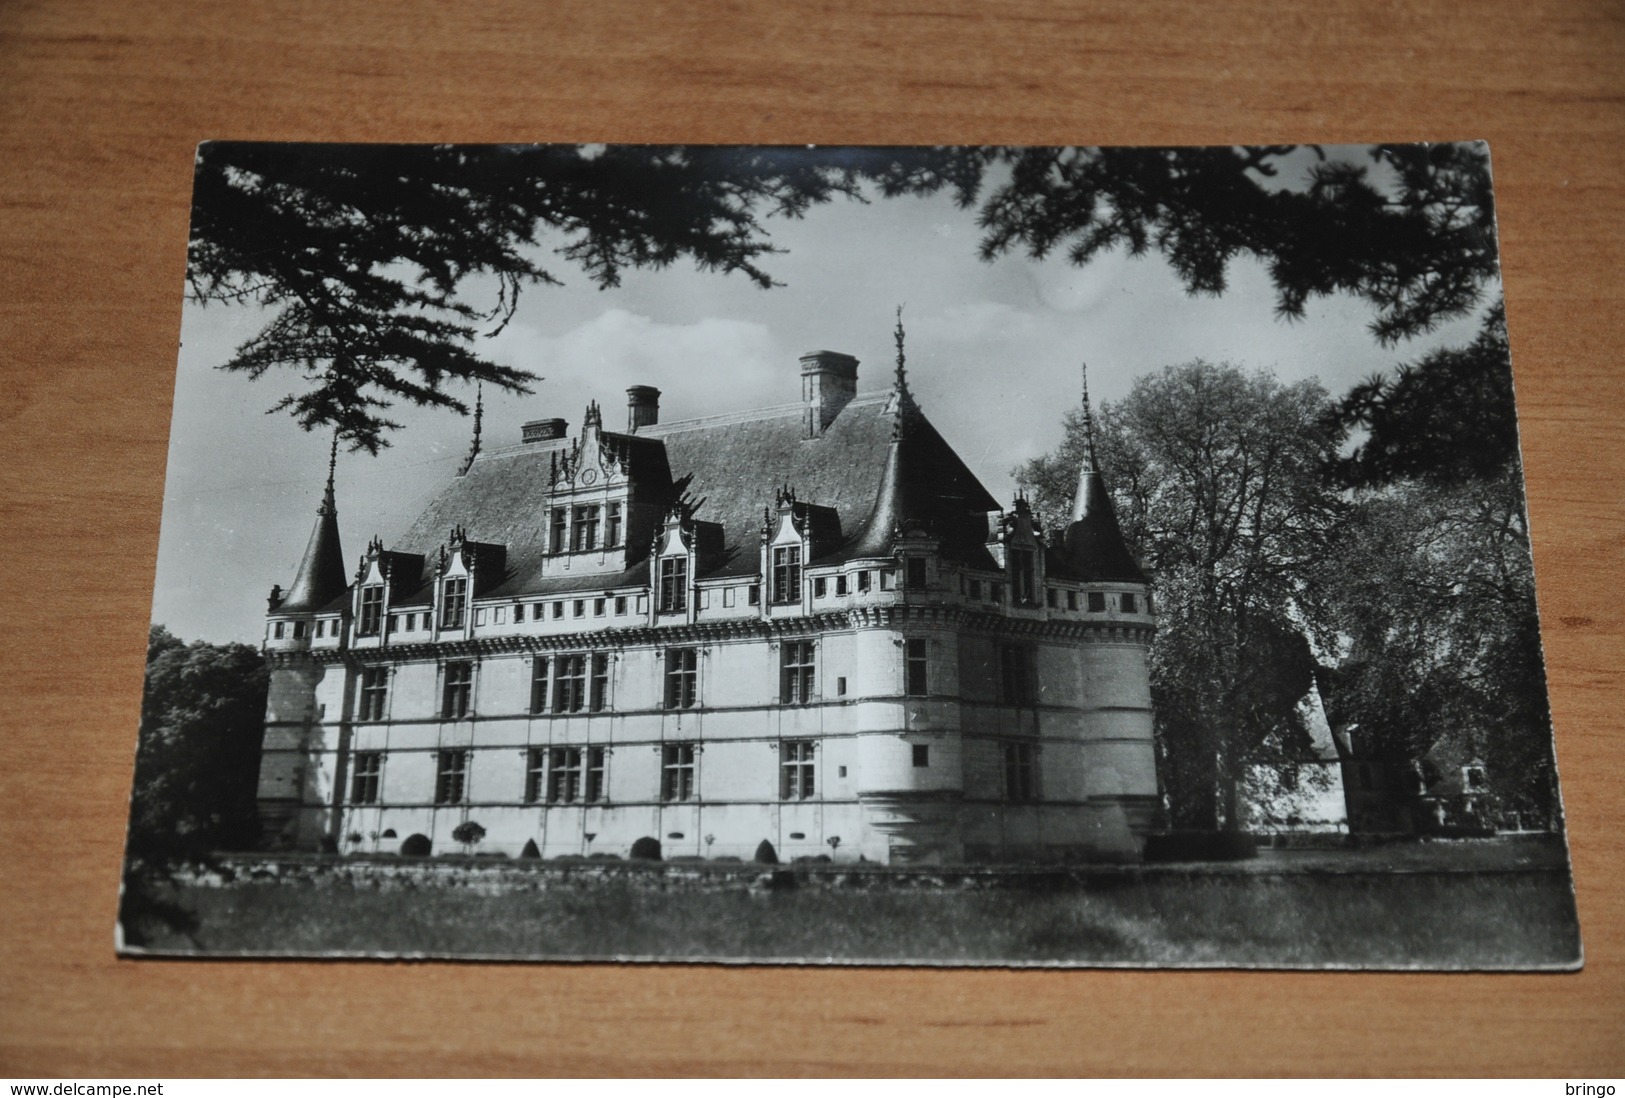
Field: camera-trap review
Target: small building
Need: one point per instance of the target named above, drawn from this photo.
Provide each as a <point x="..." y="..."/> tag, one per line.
<point x="808" y="625"/>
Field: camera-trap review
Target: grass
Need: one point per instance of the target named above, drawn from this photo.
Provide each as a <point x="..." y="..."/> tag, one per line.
<point x="1296" y="916"/>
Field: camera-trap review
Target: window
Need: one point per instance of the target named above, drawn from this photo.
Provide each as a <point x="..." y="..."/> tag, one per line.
<point x="1023" y="576"/>
<point x="459" y="689"/>
<point x="454" y="603"/>
<point x="1128" y="603"/>
<point x="499" y="615"/>
<point x="922" y="754"/>
<point x="677" y="772"/>
<point x="276" y="630"/>
<point x="479" y="615"/>
<point x="586" y="528"/>
<point x="612" y="527"/>
<point x="914" y="573"/>
<point x="1071" y="600"/>
<point x="995" y="592"/>
<point x="840" y="686"/>
<point x="682" y="678"/>
<point x="798" y="672"/>
<point x="673" y="584"/>
<point x="558" y="610"/>
<point x="535" y="773"/>
<point x="451" y="778"/>
<point x="298" y="630"/>
<point x="519" y="613"/>
<point x="820" y="587"/>
<point x="729" y="596"/>
<point x="558" y="529"/>
<point x="1020" y="772"/>
<point x="976" y="589"/>
<point x="620" y="605"/>
<point x="372" y="610"/>
<point x="796" y="770"/>
<point x="753" y="596"/>
<point x="840" y="585"/>
<point x="1052" y="598"/>
<point x="597" y="608"/>
<point x="600" y="681"/>
<point x="914" y="679"/>
<point x="596" y="789"/>
<point x="787" y="574"/>
<point x="564" y="775"/>
<point x="570" y="685"/>
<point x="538" y="684"/>
<point x="579" y="608"/>
<point x="887" y="578"/>
<point x="369" y="765"/>
<point x="863" y="582"/>
<point x="1017" y="685"/>
<point x="1097" y="602"/>
<point x="374" y="692"/>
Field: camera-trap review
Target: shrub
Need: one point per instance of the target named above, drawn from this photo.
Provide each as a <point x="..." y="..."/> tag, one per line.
<point x="468" y="833"/>
<point x="531" y="850"/>
<point x="766" y="854"/>
<point x="646" y="849"/>
<point x="1200" y="846"/>
<point x="417" y="846"/>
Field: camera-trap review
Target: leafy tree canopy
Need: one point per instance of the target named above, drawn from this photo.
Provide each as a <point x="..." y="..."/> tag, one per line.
<point x="363" y="252"/>
<point x="198" y="755"/>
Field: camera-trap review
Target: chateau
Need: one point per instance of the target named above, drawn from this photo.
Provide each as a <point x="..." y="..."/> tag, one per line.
<point x="809" y="625"/>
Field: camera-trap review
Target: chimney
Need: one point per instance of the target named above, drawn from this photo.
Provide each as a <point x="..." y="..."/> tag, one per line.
<point x="642" y="407"/>
<point x="542" y="430"/>
<point x="829" y="380"/>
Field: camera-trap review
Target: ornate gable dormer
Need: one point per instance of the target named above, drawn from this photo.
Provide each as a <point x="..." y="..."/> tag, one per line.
<point x="1020" y="551"/>
<point x="464" y="570"/>
<point x="794" y="533"/>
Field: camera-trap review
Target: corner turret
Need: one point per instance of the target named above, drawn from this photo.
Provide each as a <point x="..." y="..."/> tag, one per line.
<point x="1094" y="543"/>
<point x="321" y="577"/>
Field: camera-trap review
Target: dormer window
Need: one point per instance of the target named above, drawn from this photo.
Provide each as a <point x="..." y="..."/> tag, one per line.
<point x="558" y="542"/>
<point x="914" y="573"/>
<point x="454" y="603"/>
<point x="586" y="528"/>
<point x="1024" y="576"/>
<point x="673" y="584"/>
<point x="372" y="610"/>
<point x="787" y="574"/>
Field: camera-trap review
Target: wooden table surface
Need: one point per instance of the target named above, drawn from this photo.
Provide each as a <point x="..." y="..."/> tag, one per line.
<point x="101" y="104"/>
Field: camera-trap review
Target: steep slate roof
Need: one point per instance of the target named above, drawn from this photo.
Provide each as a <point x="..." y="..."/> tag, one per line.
<point x="735" y="462"/>
<point x="321" y="579"/>
<point x="1095" y="549"/>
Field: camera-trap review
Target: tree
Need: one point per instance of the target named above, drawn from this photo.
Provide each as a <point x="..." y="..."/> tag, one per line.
<point x="1436" y="598"/>
<point x="363" y="254"/>
<point x="1217" y="478"/>
<point x="469" y="834"/>
<point x="198" y="754"/>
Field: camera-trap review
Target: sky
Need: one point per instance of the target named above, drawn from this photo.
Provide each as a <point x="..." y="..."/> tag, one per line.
<point x="993" y="349"/>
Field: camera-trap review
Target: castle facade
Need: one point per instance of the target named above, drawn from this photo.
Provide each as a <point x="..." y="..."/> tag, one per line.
<point x="808" y="625"/>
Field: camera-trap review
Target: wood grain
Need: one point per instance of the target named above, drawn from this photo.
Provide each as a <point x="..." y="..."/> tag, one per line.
<point x="101" y="105"/>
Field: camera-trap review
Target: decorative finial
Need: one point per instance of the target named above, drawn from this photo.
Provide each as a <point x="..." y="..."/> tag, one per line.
<point x="1088" y="423"/>
<point x="479" y="415"/>
<point x="329" y="504"/>
<point x="905" y="399"/>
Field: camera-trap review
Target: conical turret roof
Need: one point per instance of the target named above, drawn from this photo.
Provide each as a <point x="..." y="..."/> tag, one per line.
<point x="321" y="576"/>
<point x="1094" y="542"/>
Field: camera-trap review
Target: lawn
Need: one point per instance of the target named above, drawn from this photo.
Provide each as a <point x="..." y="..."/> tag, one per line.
<point x="1506" y="911"/>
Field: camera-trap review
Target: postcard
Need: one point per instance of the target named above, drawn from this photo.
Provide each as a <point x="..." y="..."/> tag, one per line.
<point x="940" y="556"/>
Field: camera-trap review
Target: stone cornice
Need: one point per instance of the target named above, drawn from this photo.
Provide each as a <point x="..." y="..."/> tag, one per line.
<point x="898" y="616"/>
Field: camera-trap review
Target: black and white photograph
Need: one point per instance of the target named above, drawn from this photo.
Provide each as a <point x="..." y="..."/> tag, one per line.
<point x="1014" y="556"/>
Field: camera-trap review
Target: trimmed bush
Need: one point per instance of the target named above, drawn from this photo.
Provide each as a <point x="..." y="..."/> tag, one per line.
<point x="646" y="849"/>
<point x="1200" y="846"/>
<point x="417" y="846"/>
<point x="766" y="854"/>
<point x="531" y="850"/>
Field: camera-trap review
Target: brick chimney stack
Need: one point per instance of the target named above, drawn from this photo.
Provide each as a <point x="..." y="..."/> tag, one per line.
<point x="642" y="407"/>
<point x="542" y="430"/>
<point x="829" y="380"/>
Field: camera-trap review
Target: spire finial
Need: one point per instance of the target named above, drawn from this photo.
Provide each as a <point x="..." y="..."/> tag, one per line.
<point x="1088" y="423"/>
<point x="479" y="415"/>
<point x="329" y="501"/>
<point x="904" y="398"/>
